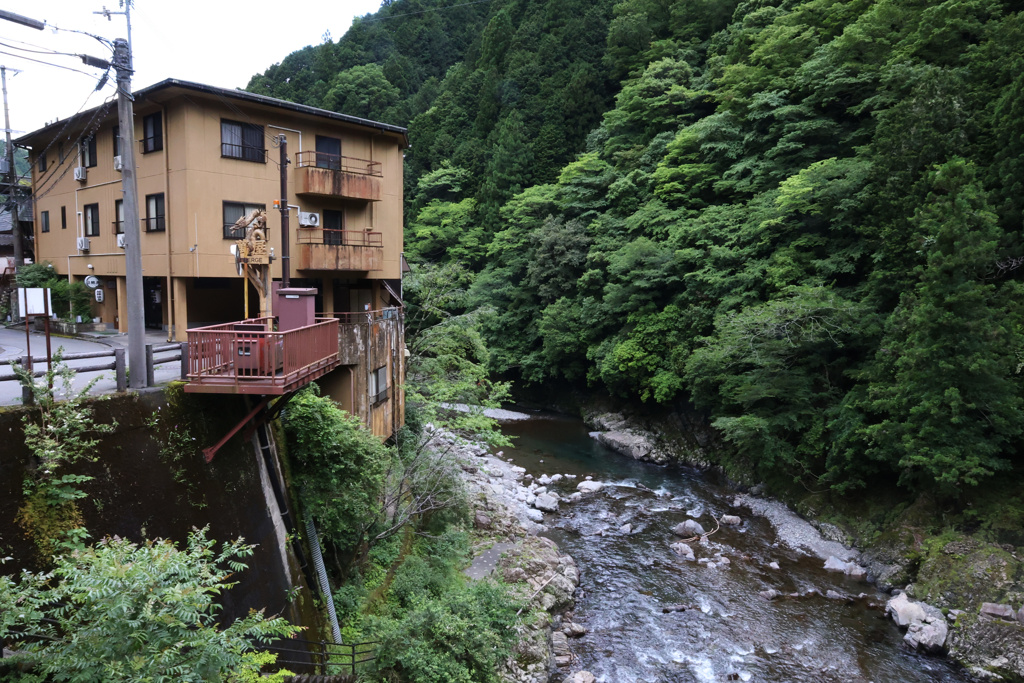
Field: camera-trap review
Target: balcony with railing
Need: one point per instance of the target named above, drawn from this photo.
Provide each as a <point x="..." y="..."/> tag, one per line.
<point x="334" y="175"/>
<point x="327" y="249"/>
<point x="249" y="357"/>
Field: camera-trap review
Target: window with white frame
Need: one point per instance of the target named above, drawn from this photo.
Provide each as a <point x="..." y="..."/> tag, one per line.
<point x="91" y="219"/>
<point x="379" y="385"/>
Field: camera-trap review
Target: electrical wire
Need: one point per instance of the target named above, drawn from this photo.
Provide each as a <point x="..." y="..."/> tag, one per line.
<point x="90" y="129"/>
<point x="39" y="61"/>
<point x="67" y="123"/>
<point x="39" y="48"/>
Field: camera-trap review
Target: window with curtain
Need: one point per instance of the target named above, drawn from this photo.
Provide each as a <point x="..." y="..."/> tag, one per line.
<point x="242" y="141"/>
<point x="91" y="217"/>
<point x="155" y="221"/>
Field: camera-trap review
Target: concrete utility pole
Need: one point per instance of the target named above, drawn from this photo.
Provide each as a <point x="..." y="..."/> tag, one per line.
<point x="286" y="275"/>
<point x="12" y="199"/>
<point x="132" y="239"/>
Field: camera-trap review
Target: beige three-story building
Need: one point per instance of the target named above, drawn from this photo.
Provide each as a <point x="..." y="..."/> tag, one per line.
<point x="206" y="156"/>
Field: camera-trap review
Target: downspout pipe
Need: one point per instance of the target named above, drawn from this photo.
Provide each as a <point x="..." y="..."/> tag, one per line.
<point x="321" y="573"/>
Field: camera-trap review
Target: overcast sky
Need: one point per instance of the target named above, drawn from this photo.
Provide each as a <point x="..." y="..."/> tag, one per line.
<point x="210" y="41"/>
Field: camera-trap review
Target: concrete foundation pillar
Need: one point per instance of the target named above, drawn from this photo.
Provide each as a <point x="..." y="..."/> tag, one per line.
<point x="180" y="308"/>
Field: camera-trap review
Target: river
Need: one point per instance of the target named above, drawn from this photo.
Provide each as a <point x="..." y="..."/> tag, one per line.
<point x="728" y="631"/>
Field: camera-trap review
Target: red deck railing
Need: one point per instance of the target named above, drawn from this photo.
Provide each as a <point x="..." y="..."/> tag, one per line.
<point x="248" y="357"/>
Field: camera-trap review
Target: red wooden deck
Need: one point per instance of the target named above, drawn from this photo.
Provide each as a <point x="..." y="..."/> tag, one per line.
<point x="248" y="357"/>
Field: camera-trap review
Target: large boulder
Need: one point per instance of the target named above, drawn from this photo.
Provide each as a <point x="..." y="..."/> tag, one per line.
<point x="583" y="677"/>
<point x="589" y="486"/>
<point x="546" y="502"/>
<point x="688" y="529"/>
<point x="731" y="520"/>
<point x="991" y="609"/>
<point x="683" y="550"/>
<point x="926" y="625"/>
<point x="904" y="611"/>
<point x="928" y="635"/>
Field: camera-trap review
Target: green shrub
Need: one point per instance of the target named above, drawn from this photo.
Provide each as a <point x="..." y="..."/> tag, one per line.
<point x="460" y="636"/>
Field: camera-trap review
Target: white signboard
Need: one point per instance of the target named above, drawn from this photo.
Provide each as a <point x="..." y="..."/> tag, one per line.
<point x="99" y="295"/>
<point x="92" y="282"/>
<point x="31" y="301"/>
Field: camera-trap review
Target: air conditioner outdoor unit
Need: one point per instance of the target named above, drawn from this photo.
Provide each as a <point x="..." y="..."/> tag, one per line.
<point x="311" y="220"/>
<point x="117" y="163"/>
<point x="81" y="173"/>
<point x="120" y="241"/>
<point x="83" y="244"/>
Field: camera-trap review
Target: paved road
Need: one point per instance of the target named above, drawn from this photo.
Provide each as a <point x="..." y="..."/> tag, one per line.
<point x="13" y="344"/>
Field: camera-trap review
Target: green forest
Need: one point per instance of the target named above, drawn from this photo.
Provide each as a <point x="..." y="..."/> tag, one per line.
<point x="800" y="219"/>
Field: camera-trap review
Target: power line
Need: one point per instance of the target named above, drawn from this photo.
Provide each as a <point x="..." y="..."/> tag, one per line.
<point x="39" y="48"/>
<point x="39" y="61"/>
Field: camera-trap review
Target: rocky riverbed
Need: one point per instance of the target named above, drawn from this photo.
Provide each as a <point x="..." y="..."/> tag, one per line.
<point x="977" y="588"/>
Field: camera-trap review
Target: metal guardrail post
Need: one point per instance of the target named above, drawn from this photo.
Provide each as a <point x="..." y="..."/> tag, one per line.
<point x="119" y="370"/>
<point x="323" y="657"/>
<point x="184" y="360"/>
<point x="150" y="371"/>
<point x="27" y="397"/>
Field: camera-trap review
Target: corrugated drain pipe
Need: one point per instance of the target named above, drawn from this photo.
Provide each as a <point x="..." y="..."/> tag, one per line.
<point x="321" y="573"/>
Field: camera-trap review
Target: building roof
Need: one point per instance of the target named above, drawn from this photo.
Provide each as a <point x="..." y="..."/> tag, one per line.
<point x="231" y="94"/>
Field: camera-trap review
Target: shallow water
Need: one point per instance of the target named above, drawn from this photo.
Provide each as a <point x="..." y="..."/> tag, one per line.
<point x="728" y="632"/>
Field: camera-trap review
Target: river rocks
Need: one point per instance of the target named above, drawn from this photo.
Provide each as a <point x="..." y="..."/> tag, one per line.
<point x="769" y="594"/>
<point x="481" y="521"/>
<point x="926" y="626"/>
<point x="991" y="609"/>
<point x="731" y="520"/>
<point x="851" y="569"/>
<point x="904" y="611"/>
<point x="573" y="630"/>
<point x="688" y="529"/>
<point x="535" y="515"/>
<point x="793" y="530"/>
<point x="589" y="486"/>
<point x="546" y="502"/>
<point x="1020" y="615"/>
<point x="560" y="649"/>
<point x="626" y="529"/>
<point x="928" y="635"/>
<point x="582" y="677"/>
<point x="683" y="550"/>
<point x="992" y="649"/>
<point x="628" y="439"/>
<point x="555" y="478"/>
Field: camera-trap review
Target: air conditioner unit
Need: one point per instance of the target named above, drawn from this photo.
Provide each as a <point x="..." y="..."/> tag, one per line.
<point x="83" y="244"/>
<point x="117" y="163"/>
<point x="120" y="241"/>
<point x="81" y="173"/>
<point x="310" y="220"/>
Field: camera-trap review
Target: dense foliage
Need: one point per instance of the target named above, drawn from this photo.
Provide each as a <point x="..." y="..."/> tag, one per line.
<point x="801" y="217"/>
<point x="120" y="611"/>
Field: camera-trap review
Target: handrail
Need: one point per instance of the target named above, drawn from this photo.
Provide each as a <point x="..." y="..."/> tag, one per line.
<point x="358" y="317"/>
<point x="250" y="351"/>
<point x="323" y="657"/>
<point x="337" y="162"/>
<point x="341" y="238"/>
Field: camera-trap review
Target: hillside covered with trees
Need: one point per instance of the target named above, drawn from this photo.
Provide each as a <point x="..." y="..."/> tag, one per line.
<point x="801" y="218"/>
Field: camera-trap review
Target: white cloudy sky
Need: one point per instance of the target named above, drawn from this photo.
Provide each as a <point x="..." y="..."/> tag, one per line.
<point x="212" y="41"/>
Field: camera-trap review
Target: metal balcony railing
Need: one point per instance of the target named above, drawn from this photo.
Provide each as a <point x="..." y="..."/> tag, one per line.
<point x="337" y="162"/>
<point x="248" y="357"/>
